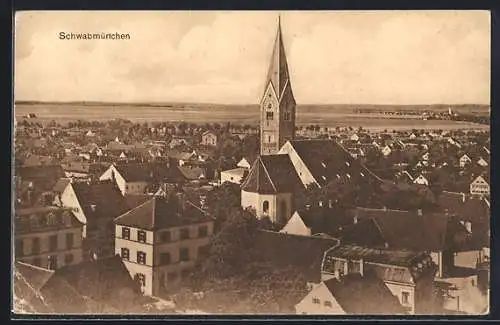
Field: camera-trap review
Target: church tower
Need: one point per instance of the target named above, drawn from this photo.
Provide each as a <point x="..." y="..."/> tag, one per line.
<point x="277" y="106"/>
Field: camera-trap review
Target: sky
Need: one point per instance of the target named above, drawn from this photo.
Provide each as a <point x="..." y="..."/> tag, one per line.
<point x="384" y="57"/>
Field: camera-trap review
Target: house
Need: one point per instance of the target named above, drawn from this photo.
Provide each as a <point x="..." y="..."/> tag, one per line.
<point x="426" y="156"/>
<point x="269" y="188"/>
<point x="193" y="173"/>
<point x="408" y="275"/>
<point x="317" y="220"/>
<point x="421" y="180"/>
<point x="386" y="151"/>
<point x="245" y="162"/>
<point x="235" y="175"/>
<point x="95" y="204"/>
<point x="90" y="133"/>
<point x="135" y="178"/>
<point x="159" y="241"/>
<point x="95" y="287"/>
<point x="43" y="177"/>
<point x="480" y="186"/>
<point x="351" y="294"/>
<point x="209" y="138"/>
<point x="303" y="253"/>
<point x="354" y="137"/>
<point x="177" y="142"/>
<point x="440" y="235"/>
<point x="464" y="160"/>
<point x="48" y="237"/>
<point x="482" y="162"/>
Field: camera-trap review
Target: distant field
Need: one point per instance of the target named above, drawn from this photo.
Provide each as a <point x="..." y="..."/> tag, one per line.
<point x="331" y="115"/>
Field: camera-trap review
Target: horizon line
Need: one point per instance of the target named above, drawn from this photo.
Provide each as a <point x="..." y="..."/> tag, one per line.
<point x="228" y="104"/>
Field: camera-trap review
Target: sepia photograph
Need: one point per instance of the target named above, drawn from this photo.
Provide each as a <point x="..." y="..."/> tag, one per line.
<point x="251" y="163"/>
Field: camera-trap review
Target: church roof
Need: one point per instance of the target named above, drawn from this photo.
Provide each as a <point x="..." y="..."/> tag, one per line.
<point x="326" y="159"/>
<point x="272" y="174"/>
<point x="278" y="73"/>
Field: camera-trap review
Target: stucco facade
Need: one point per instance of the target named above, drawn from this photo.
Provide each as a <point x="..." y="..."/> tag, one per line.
<point x="278" y="207"/>
<point x="319" y="301"/>
<point x="159" y="272"/>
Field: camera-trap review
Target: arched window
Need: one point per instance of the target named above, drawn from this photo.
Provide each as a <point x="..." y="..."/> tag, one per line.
<point x="265" y="206"/>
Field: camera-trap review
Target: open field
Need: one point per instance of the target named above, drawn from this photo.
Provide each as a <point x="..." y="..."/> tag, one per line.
<point x="323" y="115"/>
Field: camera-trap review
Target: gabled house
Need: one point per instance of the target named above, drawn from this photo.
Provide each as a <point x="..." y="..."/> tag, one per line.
<point x="482" y="162"/>
<point x="421" y="180"/>
<point x="352" y="294"/>
<point x="159" y="241"/>
<point x="235" y="175"/>
<point x="245" y="162"/>
<point x="135" y="178"/>
<point x="408" y="275"/>
<point x="209" y="138"/>
<point x="95" y="205"/>
<point x="464" y="160"/>
<point x="317" y="220"/>
<point x="386" y="151"/>
<point x="49" y="237"/>
<point x="480" y="186"/>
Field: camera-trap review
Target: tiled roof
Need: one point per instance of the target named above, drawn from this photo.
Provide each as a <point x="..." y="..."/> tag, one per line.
<point x="304" y="253"/>
<point x="471" y="209"/>
<point x="44" y="177"/>
<point x="327" y="160"/>
<point x="147" y="172"/>
<point x="272" y="174"/>
<point x="427" y="232"/>
<point x="46" y="218"/>
<point x="104" y="280"/>
<point x="101" y="199"/>
<point x="35" y="160"/>
<point x="30" y="279"/>
<point x="61" y="185"/>
<point x="192" y="173"/>
<point x="364" y="295"/>
<point x="325" y="220"/>
<point x="403" y="258"/>
<point x="157" y="213"/>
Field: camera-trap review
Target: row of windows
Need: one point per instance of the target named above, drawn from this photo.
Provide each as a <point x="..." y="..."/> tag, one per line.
<point x="270" y="115"/>
<point x="165" y="236"/>
<point x="317" y="301"/>
<point x="35" y="244"/>
<point x="171" y="277"/>
<point x="165" y="258"/>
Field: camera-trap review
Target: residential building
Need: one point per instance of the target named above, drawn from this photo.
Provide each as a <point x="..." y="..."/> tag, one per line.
<point x="245" y="162"/>
<point x="325" y="220"/>
<point x="386" y="151"/>
<point x="92" y="287"/>
<point x="407" y="274"/>
<point x="440" y="235"/>
<point x="95" y="204"/>
<point x="49" y="237"/>
<point x="136" y="178"/>
<point x="209" y="138"/>
<point x="235" y="175"/>
<point x="464" y="160"/>
<point x="421" y="180"/>
<point x="159" y="241"/>
<point x="277" y="106"/>
<point x="482" y="162"/>
<point x="351" y="294"/>
<point x="480" y="186"/>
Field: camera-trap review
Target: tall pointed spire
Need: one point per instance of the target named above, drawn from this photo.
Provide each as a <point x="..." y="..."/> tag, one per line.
<point x="278" y="73"/>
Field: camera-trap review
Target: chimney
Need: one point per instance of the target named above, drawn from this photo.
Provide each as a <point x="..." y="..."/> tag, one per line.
<point x="93" y="206"/>
<point x="463" y="197"/>
<point x="320" y="203"/>
<point x="386" y="245"/>
<point x="308" y="206"/>
<point x="330" y="203"/>
<point x="419" y="212"/>
<point x="355" y="220"/>
<point x="49" y="262"/>
<point x="361" y="267"/>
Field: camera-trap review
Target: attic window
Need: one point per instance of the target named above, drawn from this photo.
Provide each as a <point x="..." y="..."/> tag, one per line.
<point x="323" y="164"/>
<point x="347" y="163"/>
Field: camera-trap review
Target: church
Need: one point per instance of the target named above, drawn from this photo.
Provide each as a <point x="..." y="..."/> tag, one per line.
<point x="285" y="164"/>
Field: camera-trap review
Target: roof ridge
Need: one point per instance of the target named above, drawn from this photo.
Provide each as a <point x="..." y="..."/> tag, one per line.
<point x="133" y="209"/>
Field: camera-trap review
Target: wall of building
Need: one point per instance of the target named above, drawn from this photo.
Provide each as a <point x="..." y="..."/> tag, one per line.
<point x="398" y="289"/>
<point x="310" y="306"/>
<point x="42" y="257"/>
<point x="280" y="205"/>
<point x="296" y="226"/>
<point x="437" y="258"/>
